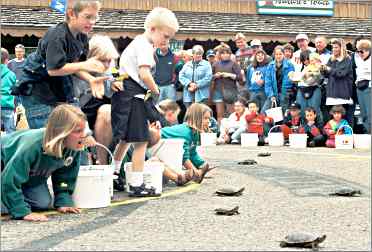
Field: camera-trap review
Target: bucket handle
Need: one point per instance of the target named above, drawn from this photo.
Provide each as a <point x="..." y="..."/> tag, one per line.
<point x="109" y="152"/>
<point x="273" y="128"/>
<point x="345" y="126"/>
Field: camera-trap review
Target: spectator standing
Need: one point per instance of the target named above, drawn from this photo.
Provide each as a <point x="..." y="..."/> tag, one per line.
<point x="196" y="76"/>
<point x="362" y="61"/>
<point x="16" y="64"/>
<point x="8" y="79"/>
<point x="165" y="73"/>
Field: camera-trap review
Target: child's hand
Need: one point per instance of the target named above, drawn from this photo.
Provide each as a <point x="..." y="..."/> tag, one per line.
<point x="69" y="210"/>
<point x="260" y="82"/>
<point x="267" y="120"/>
<point x="94" y="65"/>
<point x="97" y="86"/>
<point x="117" y="86"/>
<point x="35" y="217"/>
<point x="218" y="75"/>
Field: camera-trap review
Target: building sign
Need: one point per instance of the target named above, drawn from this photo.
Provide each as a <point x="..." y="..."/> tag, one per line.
<point x="296" y="7"/>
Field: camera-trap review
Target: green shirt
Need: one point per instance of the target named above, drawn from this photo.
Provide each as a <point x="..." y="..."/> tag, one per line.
<point x="26" y="165"/>
<point x="192" y="139"/>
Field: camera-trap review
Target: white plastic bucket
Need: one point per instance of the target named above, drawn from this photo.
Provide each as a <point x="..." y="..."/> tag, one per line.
<point x="170" y="151"/>
<point x="362" y="141"/>
<point x="275" y="113"/>
<point x="208" y="139"/>
<point x="276" y="138"/>
<point x="249" y="139"/>
<point x="94" y="185"/>
<point x="152" y="175"/>
<point x="344" y="141"/>
<point x="297" y="140"/>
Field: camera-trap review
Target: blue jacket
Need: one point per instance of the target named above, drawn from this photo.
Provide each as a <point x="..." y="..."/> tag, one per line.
<point x="251" y="84"/>
<point x="201" y="74"/>
<point x="271" y="85"/>
<point x="192" y="139"/>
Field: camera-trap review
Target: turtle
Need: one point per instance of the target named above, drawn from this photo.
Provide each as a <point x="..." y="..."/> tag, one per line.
<point x="229" y="212"/>
<point x="303" y="240"/>
<point x="230" y="191"/>
<point x="264" y="154"/>
<point x="247" y="162"/>
<point x="347" y="192"/>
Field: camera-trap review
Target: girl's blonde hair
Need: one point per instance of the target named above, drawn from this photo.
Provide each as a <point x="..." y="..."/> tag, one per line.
<point x="78" y="6"/>
<point x="341" y="43"/>
<point x="194" y="116"/>
<point x="161" y="17"/>
<point x="102" y="47"/>
<point x="61" y="122"/>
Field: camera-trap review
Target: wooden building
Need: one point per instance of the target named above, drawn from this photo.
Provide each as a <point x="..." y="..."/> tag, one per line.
<point x="201" y="21"/>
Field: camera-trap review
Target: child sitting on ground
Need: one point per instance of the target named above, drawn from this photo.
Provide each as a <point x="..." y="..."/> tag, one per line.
<point x="312" y="129"/>
<point x="257" y="123"/>
<point x="235" y="121"/>
<point x="334" y="125"/>
<point x="292" y="121"/>
<point x="197" y="119"/>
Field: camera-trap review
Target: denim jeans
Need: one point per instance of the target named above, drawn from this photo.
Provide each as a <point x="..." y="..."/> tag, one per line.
<point x="36" y="112"/>
<point x="260" y="98"/>
<point x="38" y="197"/>
<point x="7" y="120"/>
<point x="314" y="102"/>
<point x="167" y="92"/>
<point x="364" y="98"/>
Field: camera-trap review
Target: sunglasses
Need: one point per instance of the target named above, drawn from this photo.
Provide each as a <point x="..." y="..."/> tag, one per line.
<point x="360" y="51"/>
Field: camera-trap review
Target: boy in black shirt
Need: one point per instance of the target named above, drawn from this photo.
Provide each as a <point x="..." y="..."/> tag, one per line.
<point x="46" y="77"/>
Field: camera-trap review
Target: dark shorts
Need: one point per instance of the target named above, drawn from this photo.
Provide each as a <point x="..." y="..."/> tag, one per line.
<point x="90" y="109"/>
<point x="129" y="118"/>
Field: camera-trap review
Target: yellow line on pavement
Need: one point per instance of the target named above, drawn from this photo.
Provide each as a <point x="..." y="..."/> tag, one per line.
<point x="190" y="187"/>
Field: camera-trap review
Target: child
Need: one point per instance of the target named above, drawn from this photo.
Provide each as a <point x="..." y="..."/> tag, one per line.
<point x="197" y="119"/>
<point x="257" y="123"/>
<point x="223" y="88"/>
<point x="30" y="157"/>
<point x="292" y="122"/>
<point x="332" y="126"/>
<point x="46" y="78"/>
<point x="235" y="121"/>
<point x="8" y="79"/>
<point x="312" y="129"/>
<point x="98" y="111"/>
<point x="169" y="110"/>
<point x="255" y="80"/>
<point x="129" y="114"/>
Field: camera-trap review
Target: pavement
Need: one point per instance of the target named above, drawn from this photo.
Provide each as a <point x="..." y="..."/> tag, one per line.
<point x="285" y="192"/>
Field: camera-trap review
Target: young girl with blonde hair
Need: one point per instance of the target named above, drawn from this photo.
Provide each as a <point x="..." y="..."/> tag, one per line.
<point x="30" y="157"/>
<point x="196" y="122"/>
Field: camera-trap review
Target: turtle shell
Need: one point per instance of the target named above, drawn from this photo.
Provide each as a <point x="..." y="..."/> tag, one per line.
<point x="229" y="212"/>
<point x="247" y="162"/>
<point x="301" y="239"/>
<point x="230" y="191"/>
<point x="346" y="192"/>
<point x="264" y="154"/>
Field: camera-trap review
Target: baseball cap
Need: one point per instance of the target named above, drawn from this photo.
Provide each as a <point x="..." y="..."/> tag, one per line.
<point x="302" y="36"/>
<point x="295" y="105"/>
<point x="256" y="42"/>
<point x="210" y="52"/>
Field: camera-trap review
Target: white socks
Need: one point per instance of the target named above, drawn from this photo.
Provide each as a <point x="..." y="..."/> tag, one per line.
<point x="117" y="166"/>
<point x="135" y="179"/>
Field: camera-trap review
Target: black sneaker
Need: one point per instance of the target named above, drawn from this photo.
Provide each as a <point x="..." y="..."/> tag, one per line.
<point x="142" y="191"/>
<point x="119" y="184"/>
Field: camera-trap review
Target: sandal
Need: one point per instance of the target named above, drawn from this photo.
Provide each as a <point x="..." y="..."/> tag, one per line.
<point x="204" y="171"/>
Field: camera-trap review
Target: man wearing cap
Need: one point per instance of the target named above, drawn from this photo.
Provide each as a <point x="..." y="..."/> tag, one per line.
<point x="302" y="41"/>
<point x="211" y="56"/>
